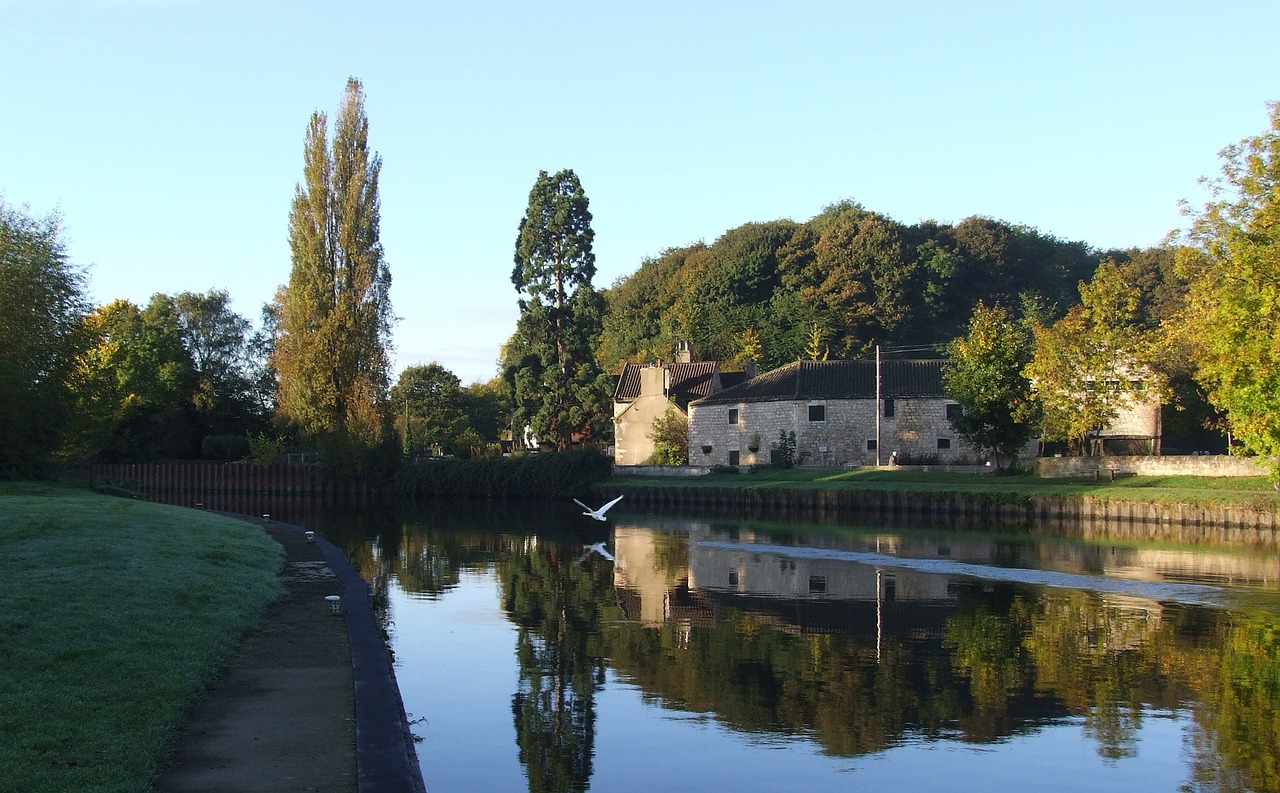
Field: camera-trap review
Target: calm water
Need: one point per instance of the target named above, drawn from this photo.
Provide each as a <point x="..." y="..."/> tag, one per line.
<point x="745" y="656"/>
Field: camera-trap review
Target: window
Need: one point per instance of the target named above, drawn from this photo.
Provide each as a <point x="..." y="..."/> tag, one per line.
<point x="733" y="578"/>
<point x="817" y="585"/>
<point x="888" y="408"/>
<point x="954" y="411"/>
<point x="733" y="415"/>
<point x="871" y="445"/>
<point x="817" y="412"/>
<point x="733" y="457"/>
<point x="1137" y="385"/>
<point x="944" y="443"/>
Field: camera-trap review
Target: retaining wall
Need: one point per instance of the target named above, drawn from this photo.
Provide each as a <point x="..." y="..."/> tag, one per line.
<point x="1158" y="465"/>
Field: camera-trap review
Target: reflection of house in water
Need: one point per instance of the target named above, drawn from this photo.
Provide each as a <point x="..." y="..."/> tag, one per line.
<point x="803" y="595"/>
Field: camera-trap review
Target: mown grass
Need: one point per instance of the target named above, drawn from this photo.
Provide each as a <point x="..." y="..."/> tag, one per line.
<point x="1250" y="492"/>
<point x="114" y="616"/>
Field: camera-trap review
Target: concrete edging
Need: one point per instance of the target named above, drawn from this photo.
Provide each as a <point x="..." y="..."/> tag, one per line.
<point x="386" y="761"/>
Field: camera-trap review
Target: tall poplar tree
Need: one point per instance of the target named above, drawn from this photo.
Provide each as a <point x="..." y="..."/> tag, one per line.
<point x="560" y="392"/>
<point x="335" y="313"/>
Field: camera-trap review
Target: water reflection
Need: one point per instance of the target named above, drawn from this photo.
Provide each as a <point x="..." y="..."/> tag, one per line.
<point x="837" y="638"/>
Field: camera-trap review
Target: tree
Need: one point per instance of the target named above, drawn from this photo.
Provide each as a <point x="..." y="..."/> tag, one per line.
<point x="219" y="342"/>
<point x="335" y="313"/>
<point x="670" y="436"/>
<point x="1232" y="318"/>
<point x="41" y="307"/>
<point x="1086" y="364"/>
<point x="431" y="398"/>
<point x="560" y="391"/>
<point x="987" y="379"/>
<point x="133" y="386"/>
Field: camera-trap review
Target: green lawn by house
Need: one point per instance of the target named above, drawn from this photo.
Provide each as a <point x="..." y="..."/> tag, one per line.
<point x="1252" y="492"/>
<point x="114" y="615"/>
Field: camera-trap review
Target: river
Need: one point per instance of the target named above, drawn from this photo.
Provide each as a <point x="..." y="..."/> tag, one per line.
<point x="537" y="649"/>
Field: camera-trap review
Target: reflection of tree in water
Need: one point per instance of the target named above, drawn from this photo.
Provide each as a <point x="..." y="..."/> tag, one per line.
<point x="556" y="604"/>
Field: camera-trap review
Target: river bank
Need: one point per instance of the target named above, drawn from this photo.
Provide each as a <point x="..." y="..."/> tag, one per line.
<point x="1236" y="511"/>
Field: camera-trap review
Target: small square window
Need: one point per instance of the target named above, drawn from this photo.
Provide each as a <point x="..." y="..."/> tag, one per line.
<point x="888" y="408"/>
<point x="817" y="585"/>
<point x="733" y="415"/>
<point x="944" y="443"/>
<point x="1137" y="385"/>
<point x="817" y="412"/>
<point x="871" y="445"/>
<point x="733" y="578"/>
<point x="954" y="411"/>
<point x="733" y="457"/>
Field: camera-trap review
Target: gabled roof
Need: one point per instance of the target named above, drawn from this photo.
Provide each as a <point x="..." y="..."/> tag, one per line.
<point x="687" y="382"/>
<point x="811" y="380"/>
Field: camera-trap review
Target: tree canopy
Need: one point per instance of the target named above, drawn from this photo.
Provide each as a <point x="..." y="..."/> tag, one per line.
<point x="335" y="315"/>
<point x="42" y="304"/>
<point x="1232" y="317"/>
<point x="560" y="393"/>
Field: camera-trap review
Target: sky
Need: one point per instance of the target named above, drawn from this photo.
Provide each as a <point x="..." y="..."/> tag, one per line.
<point x="168" y="134"/>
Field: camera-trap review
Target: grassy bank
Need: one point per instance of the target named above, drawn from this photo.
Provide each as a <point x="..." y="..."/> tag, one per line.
<point x="114" y="616"/>
<point x="1250" y="492"/>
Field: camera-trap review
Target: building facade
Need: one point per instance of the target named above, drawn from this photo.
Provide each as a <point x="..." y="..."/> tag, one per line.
<point x="838" y="415"/>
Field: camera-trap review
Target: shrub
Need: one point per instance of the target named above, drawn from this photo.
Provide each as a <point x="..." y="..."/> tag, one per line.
<point x="536" y="476"/>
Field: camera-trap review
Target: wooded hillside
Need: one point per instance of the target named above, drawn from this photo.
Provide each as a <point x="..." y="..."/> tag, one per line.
<point x="834" y="286"/>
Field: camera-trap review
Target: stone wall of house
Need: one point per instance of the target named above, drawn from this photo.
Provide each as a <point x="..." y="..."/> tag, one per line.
<point x="632" y="423"/>
<point x="845" y="436"/>
<point x="1141" y="419"/>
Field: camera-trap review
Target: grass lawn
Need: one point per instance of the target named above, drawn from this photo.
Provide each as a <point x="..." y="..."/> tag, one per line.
<point x="114" y="616"/>
<point x="1252" y="492"/>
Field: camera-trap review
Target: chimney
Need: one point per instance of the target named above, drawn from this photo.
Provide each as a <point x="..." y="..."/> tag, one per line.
<point x="750" y="369"/>
<point x="683" y="355"/>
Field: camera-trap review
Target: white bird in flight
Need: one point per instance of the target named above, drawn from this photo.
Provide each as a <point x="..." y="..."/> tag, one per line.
<point x="598" y="514"/>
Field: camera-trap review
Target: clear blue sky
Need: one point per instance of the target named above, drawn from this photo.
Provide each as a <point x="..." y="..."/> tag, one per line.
<point x="169" y="133"/>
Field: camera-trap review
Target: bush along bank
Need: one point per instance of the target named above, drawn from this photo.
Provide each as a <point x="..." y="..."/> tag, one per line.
<point x="535" y="476"/>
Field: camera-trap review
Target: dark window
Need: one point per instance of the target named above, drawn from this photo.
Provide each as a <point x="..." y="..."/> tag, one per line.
<point x="733" y="578"/>
<point x="733" y="415"/>
<point x="733" y="457"/>
<point x="954" y="412"/>
<point x="1137" y="385"/>
<point x="817" y="412"/>
<point x="888" y="408"/>
<point x="871" y="445"/>
<point x="817" y="584"/>
<point x="944" y="443"/>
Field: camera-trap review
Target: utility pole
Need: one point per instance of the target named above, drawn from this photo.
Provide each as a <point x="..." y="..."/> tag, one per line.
<point x="878" y="409"/>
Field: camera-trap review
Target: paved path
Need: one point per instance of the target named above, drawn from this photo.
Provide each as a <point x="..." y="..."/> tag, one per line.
<point x="309" y="702"/>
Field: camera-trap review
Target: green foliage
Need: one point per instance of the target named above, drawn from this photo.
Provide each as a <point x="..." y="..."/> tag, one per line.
<point x="335" y="316"/>
<point x="42" y="304"/>
<point x="133" y="387"/>
<point x="858" y="277"/>
<point x="1232" y="319"/>
<point x="670" y="436"/>
<point x="267" y="450"/>
<point x="534" y="476"/>
<point x="1086" y="363"/>
<point x="559" y="391"/>
<point x="225" y="447"/>
<point x="785" y="450"/>
<point x="987" y="381"/>
<point x="431" y="399"/>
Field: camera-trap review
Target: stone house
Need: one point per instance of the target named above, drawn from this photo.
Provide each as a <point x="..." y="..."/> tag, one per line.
<point x="644" y="391"/>
<point x="832" y="408"/>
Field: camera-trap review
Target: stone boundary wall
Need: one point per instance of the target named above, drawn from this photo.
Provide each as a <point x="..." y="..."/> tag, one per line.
<point x="1165" y="465"/>
<point x="661" y="470"/>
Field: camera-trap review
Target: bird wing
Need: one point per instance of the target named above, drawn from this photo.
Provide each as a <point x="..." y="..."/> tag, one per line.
<point x="605" y="508"/>
<point x="584" y="506"/>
